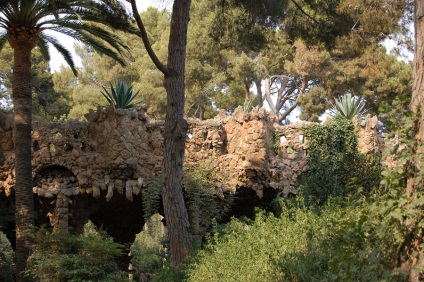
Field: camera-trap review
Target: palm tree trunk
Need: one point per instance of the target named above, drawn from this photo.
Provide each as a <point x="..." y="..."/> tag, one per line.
<point x="175" y="135"/>
<point x="22" y="101"/>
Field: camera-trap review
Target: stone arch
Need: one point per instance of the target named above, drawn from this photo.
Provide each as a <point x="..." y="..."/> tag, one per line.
<point x="55" y="188"/>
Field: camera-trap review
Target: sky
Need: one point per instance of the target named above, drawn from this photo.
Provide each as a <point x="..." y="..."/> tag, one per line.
<point x="56" y="59"/>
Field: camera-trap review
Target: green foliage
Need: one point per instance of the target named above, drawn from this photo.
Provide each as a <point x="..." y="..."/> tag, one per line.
<point x="347" y="248"/>
<point x="334" y="162"/>
<point x="203" y="204"/>
<point x="394" y="112"/>
<point x="62" y="256"/>
<point x="7" y="266"/>
<point x="331" y="244"/>
<point x="152" y="199"/>
<point x="98" y="70"/>
<point x="234" y="46"/>
<point x="400" y="204"/>
<point x="148" y="248"/>
<point x="121" y="95"/>
<point x="172" y="273"/>
<point x="348" y="106"/>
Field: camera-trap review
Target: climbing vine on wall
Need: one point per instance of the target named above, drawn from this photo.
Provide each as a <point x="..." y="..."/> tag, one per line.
<point x="336" y="168"/>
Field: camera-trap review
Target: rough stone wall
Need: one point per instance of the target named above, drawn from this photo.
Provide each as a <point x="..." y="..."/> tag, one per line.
<point x="291" y="161"/>
<point x="369" y="138"/>
<point x="117" y="152"/>
<point x="238" y="145"/>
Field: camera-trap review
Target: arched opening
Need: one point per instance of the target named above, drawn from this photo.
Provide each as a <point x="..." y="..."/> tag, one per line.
<point x="55" y="188"/>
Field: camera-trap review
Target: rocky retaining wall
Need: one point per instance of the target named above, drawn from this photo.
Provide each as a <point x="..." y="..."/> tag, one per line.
<point x="116" y="153"/>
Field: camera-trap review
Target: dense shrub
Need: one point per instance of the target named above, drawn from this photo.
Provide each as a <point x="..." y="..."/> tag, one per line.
<point x="333" y="244"/>
<point x="62" y="256"/>
<point x="148" y="249"/>
<point x="7" y="266"/>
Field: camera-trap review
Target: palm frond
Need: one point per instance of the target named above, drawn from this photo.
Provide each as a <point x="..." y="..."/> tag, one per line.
<point x="43" y="46"/>
<point x="76" y="29"/>
<point x="65" y="53"/>
<point x="98" y="46"/>
<point x="83" y="20"/>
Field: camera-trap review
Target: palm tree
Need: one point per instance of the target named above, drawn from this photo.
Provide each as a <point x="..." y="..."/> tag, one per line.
<point x="23" y="23"/>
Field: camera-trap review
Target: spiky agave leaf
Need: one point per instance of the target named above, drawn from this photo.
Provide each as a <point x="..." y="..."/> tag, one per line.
<point x="120" y="95"/>
<point x="348" y="106"/>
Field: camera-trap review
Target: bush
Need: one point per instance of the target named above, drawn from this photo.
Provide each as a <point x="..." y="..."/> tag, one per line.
<point x="331" y="244"/>
<point x="61" y="256"/>
<point x="148" y="249"/>
<point x="7" y="266"/>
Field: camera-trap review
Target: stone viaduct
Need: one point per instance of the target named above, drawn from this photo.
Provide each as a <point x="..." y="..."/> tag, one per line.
<point x="98" y="169"/>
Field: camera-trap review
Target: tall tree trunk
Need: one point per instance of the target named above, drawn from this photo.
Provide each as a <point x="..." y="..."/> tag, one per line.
<point x="175" y="134"/>
<point x="417" y="100"/>
<point x="22" y="101"/>
<point x="417" y="106"/>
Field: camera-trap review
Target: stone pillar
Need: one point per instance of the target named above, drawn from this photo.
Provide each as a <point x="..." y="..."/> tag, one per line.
<point x="61" y="215"/>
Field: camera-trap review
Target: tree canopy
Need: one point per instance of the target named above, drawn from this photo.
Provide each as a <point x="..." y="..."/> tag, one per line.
<point x="301" y="55"/>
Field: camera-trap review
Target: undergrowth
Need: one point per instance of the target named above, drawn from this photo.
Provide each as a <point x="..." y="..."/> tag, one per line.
<point x="60" y="256"/>
<point x="353" y="225"/>
<point x="7" y="266"/>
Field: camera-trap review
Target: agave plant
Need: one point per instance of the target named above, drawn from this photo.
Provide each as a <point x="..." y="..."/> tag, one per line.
<point x="121" y="95"/>
<point x="348" y="106"/>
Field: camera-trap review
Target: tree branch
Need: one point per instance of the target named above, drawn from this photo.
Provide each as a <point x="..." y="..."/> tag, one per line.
<point x="146" y="41"/>
<point x="303" y="12"/>
<point x="289" y="110"/>
<point x="268" y="95"/>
